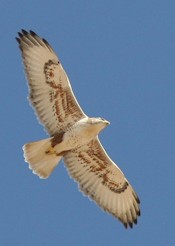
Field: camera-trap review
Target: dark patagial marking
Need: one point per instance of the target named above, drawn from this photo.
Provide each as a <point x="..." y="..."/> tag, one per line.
<point x="49" y="68"/>
<point x="61" y="96"/>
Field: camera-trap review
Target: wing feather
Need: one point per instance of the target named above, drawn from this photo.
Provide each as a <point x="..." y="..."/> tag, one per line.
<point x="102" y="180"/>
<point x="50" y="91"/>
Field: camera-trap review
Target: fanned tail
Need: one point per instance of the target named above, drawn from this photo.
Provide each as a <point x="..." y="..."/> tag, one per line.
<point x="41" y="157"/>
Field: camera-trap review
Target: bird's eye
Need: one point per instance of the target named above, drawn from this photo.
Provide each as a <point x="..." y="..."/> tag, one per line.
<point x="102" y="119"/>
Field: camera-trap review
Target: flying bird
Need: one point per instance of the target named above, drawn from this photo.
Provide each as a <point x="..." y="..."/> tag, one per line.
<point x="73" y="135"/>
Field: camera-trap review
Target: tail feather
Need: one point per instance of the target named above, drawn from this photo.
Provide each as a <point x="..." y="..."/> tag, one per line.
<point x="41" y="157"/>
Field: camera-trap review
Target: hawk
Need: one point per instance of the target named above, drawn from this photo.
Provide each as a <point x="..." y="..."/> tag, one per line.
<point x="73" y="135"/>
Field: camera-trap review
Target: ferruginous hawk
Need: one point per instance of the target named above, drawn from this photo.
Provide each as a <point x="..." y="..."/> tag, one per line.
<point x="73" y="135"/>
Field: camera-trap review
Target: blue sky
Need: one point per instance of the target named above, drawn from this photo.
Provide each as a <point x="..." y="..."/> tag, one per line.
<point x="119" y="56"/>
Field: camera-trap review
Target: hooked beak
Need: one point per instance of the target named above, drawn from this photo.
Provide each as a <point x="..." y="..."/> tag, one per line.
<point x="107" y="122"/>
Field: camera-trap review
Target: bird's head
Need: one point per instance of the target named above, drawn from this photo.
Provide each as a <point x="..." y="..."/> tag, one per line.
<point x="99" y="123"/>
<point x="102" y="121"/>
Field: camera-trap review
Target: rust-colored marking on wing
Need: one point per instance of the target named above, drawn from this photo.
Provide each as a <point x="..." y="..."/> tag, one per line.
<point x="112" y="185"/>
<point x="61" y="97"/>
<point x="84" y="159"/>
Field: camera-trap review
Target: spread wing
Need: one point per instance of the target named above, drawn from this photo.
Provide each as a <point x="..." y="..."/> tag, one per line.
<point x="49" y="87"/>
<point x="101" y="179"/>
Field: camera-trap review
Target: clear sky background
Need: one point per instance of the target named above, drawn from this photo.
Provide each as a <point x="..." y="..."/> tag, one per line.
<point x="120" y="58"/>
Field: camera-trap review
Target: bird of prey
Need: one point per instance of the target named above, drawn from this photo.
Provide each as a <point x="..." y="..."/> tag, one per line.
<point x="73" y="135"/>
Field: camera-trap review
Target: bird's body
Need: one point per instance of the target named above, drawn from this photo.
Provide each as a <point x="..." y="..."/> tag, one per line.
<point x="73" y="135"/>
<point x="82" y="132"/>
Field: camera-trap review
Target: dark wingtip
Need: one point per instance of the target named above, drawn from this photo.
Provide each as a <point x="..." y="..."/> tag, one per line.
<point x="125" y="225"/>
<point x="131" y="224"/>
<point x="45" y="41"/>
<point x="32" y="33"/>
<point x="135" y="221"/>
<point x="138" y="200"/>
<point x="18" y="40"/>
<point x="20" y="34"/>
<point x="24" y="32"/>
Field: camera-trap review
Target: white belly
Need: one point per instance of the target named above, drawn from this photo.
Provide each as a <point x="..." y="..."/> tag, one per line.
<point x="78" y="136"/>
<point x="81" y="133"/>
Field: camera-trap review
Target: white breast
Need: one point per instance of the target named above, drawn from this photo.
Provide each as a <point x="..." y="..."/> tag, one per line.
<point x="81" y="133"/>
